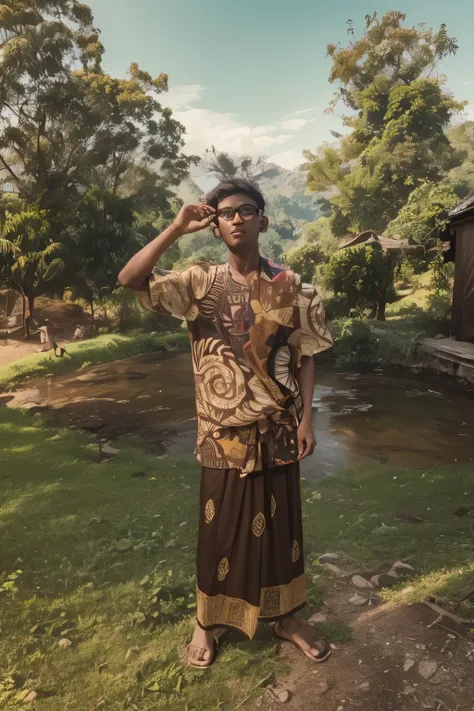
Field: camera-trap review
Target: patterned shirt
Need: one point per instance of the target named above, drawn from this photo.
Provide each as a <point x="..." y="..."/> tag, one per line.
<point x="246" y="343"/>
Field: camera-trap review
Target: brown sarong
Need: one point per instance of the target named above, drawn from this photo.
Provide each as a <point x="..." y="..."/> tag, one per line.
<point x="250" y="549"/>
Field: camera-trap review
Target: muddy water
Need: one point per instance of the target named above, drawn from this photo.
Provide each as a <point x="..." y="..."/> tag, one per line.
<point x="394" y="418"/>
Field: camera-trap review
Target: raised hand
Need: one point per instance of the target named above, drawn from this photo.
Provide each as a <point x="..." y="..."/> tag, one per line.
<point x="192" y="218"/>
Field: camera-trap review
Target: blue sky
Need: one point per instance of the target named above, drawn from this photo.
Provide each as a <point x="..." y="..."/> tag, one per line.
<point x="251" y="76"/>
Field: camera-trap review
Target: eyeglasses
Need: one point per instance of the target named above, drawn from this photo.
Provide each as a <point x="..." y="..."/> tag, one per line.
<point x="246" y="212"/>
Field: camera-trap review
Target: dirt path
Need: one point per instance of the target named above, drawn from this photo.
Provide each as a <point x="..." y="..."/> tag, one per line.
<point x="12" y="350"/>
<point x="394" y="663"/>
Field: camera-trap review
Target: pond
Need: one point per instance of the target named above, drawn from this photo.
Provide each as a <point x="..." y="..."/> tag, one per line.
<point x="395" y="417"/>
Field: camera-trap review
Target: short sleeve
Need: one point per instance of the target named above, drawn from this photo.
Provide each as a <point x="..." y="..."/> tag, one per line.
<point x="175" y="293"/>
<point x="312" y="333"/>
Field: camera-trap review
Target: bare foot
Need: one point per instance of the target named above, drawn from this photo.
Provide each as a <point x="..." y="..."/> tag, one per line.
<point x="201" y="651"/>
<point x="303" y="636"/>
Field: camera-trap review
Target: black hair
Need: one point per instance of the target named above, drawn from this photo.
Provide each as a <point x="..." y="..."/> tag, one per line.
<point x="234" y="187"/>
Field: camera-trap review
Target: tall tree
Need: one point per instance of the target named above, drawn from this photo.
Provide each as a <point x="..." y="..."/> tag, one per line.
<point x="399" y="110"/>
<point x="225" y="167"/>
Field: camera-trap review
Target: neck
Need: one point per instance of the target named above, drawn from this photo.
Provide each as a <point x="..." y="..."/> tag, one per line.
<point x="244" y="264"/>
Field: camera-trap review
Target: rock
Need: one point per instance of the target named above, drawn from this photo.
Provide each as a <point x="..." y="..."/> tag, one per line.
<point x="385" y="580"/>
<point x="107" y="450"/>
<point x="408" y="664"/>
<point x="361" y="582"/>
<point x="280" y="695"/>
<point x="358" y="600"/>
<point x="329" y="558"/>
<point x="333" y="569"/>
<point x="403" y="568"/>
<point x="439" y="336"/>
<point x="365" y="686"/>
<point x="322" y="688"/>
<point x="409" y="690"/>
<point x="124" y="545"/>
<point x="64" y="643"/>
<point x="30" y="697"/>
<point x="427" y="669"/>
<point x="102" y="667"/>
<point x="318" y="617"/>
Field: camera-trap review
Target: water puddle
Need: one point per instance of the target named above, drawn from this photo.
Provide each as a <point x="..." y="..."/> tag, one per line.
<point x="394" y="418"/>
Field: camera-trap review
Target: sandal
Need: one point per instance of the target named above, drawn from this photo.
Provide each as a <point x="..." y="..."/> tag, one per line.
<point x="324" y="654"/>
<point x="198" y="662"/>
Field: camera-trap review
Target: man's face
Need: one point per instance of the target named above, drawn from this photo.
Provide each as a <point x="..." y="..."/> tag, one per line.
<point x="240" y="231"/>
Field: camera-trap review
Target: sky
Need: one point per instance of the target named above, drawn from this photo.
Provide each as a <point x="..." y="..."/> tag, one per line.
<point x="251" y="76"/>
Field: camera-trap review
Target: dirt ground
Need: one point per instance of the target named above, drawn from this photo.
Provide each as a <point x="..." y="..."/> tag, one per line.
<point x="396" y="662"/>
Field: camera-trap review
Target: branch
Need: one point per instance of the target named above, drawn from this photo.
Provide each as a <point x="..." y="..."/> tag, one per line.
<point x="13" y="175"/>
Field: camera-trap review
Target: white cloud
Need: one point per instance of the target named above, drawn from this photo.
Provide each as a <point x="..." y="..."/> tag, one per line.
<point x="471" y="81"/>
<point x="206" y="128"/>
<point x="293" y="124"/>
<point x="287" y="159"/>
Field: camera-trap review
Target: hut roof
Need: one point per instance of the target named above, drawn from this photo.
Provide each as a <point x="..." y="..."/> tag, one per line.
<point x="464" y="208"/>
<point x="369" y="237"/>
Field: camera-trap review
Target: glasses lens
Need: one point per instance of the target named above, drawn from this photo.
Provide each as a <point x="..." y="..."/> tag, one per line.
<point x="227" y="213"/>
<point x="246" y="212"/>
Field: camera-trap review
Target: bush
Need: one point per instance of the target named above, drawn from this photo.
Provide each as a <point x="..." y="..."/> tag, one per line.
<point x="356" y="346"/>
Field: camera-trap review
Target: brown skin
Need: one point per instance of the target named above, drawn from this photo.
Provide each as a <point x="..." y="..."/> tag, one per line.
<point x="241" y="239"/>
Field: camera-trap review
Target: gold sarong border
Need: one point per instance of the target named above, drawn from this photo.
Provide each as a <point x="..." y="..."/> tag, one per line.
<point x="274" y="602"/>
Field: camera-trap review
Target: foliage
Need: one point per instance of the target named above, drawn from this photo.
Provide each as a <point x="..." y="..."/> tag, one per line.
<point x="462" y="176"/>
<point x="441" y="289"/>
<point x="320" y="232"/>
<point x="364" y="276"/>
<point x="90" y="156"/>
<point x="356" y="347"/>
<point x="303" y="260"/>
<point x="397" y="121"/>
<point x="224" y="167"/>
<point x="405" y="274"/>
<point x="425" y="216"/>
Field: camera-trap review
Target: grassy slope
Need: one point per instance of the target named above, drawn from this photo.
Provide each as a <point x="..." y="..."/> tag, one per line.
<point x="103" y="349"/>
<point x="62" y="513"/>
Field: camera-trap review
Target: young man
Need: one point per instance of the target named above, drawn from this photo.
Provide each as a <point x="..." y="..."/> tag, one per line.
<point x="254" y="330"/>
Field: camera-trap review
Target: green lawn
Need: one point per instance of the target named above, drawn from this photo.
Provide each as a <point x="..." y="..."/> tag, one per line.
<point x="106" y="554"/>
<point x="103" y="349"/>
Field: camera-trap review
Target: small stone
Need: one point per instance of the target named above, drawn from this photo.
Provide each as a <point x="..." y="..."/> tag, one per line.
<point x="318" y="617"/>
<point x="333" y="569"/>
<point x="427" y="669"/>
<point x="107" y="450"/>
<point x="403" y="568"/>
<point x="358" y="600"/>
<point x="102" y="667"/>
<point x="322" y="688"/>
<point x="64" y="643"/>
<point x="361" y="582"/>
<point x="409" y="690"/>
<point x="123" y="545"/>
<point x="439" y="336"/>
<point x="365" y="686"/>
<point x="284" y="696"/>
<point x="409" y="664"/>
<point x="329" y="558"/>
<point x="30" y="697"/>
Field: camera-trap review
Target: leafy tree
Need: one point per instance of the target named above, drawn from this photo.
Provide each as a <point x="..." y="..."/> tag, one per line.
<point x="397" y="123"/>
<point x="462" y="176"/>
<point x="272" y="245"/>
<point x="224" y="167"/>
<point x="303" y="260"/>
<point x="321" y="233"/>
<point x="363" y="275"/>
<point x="425" y="215"/>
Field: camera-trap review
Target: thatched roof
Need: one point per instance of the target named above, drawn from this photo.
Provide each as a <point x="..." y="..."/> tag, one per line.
<point x="387" y="243"/>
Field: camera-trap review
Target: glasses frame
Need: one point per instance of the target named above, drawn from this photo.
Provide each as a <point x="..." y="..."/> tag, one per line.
<point x="236" y="210"/>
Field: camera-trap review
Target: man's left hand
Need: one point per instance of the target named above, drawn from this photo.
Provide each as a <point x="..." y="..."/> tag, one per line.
<point x="306" y="440"/>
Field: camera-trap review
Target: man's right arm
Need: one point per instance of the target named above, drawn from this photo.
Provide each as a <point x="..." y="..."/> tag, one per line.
<point x="191" y="218"/>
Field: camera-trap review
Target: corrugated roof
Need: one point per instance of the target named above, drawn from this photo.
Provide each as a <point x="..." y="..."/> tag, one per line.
<point x="466" y="204"/>
<point x="387" y="243"/>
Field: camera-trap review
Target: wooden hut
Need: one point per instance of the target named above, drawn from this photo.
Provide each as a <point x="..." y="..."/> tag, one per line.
<point x="461" y="252"/>
<point x="389" y="245"/>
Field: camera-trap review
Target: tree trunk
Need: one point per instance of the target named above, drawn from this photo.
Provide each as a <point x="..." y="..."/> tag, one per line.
<point x="92" y="318"/>
<point x="28" y="321"/>
<point x="381" y="309"/>
<point x="26" y="325"/>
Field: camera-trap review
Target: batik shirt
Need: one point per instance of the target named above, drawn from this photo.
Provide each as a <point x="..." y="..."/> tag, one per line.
<point x="247" y="342"/>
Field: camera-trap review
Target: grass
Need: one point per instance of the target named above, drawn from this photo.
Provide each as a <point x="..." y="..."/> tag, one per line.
<point x="103" y="349"/>
<point x="356" y="513"/>
<point x="103" y="555"/>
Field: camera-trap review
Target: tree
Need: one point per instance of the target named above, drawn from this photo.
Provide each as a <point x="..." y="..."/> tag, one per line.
<point x="32" y="259"/>
<point x="399" y="113"/>
<point x="224" y="167"/>
<point x="303" y="260"/>
<point x="320" y="232"/>
<point x="462" y="176"/>
<point x="363" y="275"/>
<point x="425" y="215"/>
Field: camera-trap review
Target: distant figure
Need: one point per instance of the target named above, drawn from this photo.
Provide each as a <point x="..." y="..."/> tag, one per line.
<point x="45" y="338"/>
<point x="79" y="333"/>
